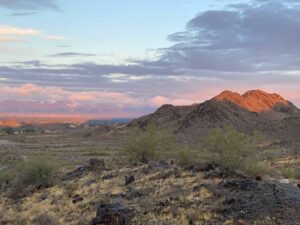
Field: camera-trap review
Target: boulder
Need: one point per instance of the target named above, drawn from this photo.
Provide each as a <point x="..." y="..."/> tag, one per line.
<point x="112" y="214"/>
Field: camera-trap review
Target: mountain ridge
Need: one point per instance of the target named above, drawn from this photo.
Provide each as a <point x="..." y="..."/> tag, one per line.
<point x="255" y="109"/>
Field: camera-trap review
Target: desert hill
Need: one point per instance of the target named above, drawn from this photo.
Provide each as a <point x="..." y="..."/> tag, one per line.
<point x="270" y="106"/>
<point x="255" y="109"/>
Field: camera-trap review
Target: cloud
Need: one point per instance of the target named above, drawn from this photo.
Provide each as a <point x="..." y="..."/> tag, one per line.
<point x="239" y="47"/>
<point x="55" y="38"/>
<point x="9" y="34"/>
<point x="34" y="63"/>
<point x="4" y="39"/>
<point x="161" y="100"/>
<point x="72" y="54"/>
<point x="8" y="30"/>
<point x="22" y="14"/>
<point x="260" y="36"/>
<point x="31" y="91"/>
<point x="29" y="4"/>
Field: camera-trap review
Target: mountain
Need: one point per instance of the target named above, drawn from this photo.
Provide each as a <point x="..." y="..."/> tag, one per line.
<point x="255" y="109"/>
<point x="270" y="106"/>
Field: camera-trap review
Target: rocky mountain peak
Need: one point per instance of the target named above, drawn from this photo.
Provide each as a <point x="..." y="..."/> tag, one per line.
<point x="255" y="100"/>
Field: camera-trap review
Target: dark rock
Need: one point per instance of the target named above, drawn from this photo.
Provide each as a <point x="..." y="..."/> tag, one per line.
<point x="241" y="222"/>
<point x="248" y="200"/>
<point x="43" y="197"/>
<point x="298" y="185"/>
<point x="201" y="168"/>
<point x="258" y="178"/>
<point x="112" y="214"/>
<point x="129" y="179"/>
<point x="77" y="198"/>
<point x="96" y="165"/>
<point x="90" y="182"/>
<point x="77" y="173"/>
<point x="108" y="176"/>
<point x="133" y="193"/>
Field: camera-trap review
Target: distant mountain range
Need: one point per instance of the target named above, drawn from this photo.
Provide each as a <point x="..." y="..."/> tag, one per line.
<point x="255" y="109"/>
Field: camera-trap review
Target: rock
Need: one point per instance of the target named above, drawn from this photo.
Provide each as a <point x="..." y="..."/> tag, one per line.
<point x="129" y="179"/>
<point x="258" y="178"/>
<point x="241" y="222"/>
<point x="298" y="185"/>
<point x="284" y="181"/>
<point x="112" y="214"/>
<point x="77" y="173"/>
<point x="89" y="182"/>
<point x="109" y="176"/>
<point x="133" y="193"/>
<point x="43" y="197"/>
<point x="96" y="165"/>
<point x="77" y="198"/>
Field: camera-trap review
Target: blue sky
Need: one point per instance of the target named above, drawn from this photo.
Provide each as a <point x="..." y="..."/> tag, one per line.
<point x="128" y="57"/>
<point x="125" y="28"/>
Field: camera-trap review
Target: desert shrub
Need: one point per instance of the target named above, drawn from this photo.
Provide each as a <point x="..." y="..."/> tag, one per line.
<point x="291" y="173"/>
<point x="44" y="219"/>
<point x="4" y="178"/>
<point x="257" y="137"/>
<point x="185" y="156"/>
<point x="233" y="150"/>
<point x="38" y="172"/>
<point x="35" y="173"/>
<point x="150" y="144"/>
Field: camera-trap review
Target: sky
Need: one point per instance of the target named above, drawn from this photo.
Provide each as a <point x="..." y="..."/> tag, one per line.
<point x="125" y="58"/>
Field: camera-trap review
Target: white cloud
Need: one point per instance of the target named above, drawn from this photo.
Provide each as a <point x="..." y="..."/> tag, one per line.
<point x="8" y="30"/>
<point x="11" y="34"/>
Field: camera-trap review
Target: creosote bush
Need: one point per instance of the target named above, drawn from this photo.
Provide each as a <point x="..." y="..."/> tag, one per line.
<point x="185" y="156"/>
<point x="38" y="172"/>
<point x="152" y="143"/>
<point x="35" y="173"/>
<point x="233" y="150"/>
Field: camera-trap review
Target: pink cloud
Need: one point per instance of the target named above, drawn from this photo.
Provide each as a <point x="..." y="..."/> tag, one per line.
<point x="51" y="93"/>
<point x="8" y="30"/>
<point x="161" y="100"/>
<point x="104" y="96"/>
<point x="24" y="90"/>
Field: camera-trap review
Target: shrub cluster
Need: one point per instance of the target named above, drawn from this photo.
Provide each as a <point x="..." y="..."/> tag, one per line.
<point x="35" y="173"/>
<point x="224" y="146"/>
<point x="149" y="144"/>
<point x="233" y="150"/>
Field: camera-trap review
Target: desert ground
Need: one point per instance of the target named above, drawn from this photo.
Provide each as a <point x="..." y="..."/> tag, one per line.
<point x="156" y="192"/>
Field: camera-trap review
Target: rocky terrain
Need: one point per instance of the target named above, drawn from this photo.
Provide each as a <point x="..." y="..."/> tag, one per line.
<point x="157" y="193"/>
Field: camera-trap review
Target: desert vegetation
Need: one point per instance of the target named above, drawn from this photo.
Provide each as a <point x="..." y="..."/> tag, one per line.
<point x="149" y="171"/>
<point x="234" y="150"/>
<point x="29" y="175"/>
<point x="152" y="143"/>
<point x="223" y="146"/>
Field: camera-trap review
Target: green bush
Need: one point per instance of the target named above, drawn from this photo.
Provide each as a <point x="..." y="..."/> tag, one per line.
<point x="33" y="174"/>
<point x="4" y="179"/>
<point x="38" y="172"/>
<point x="150" y="144"/>
<point x="185" y="157"/>
<point x="233" y="150"/>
